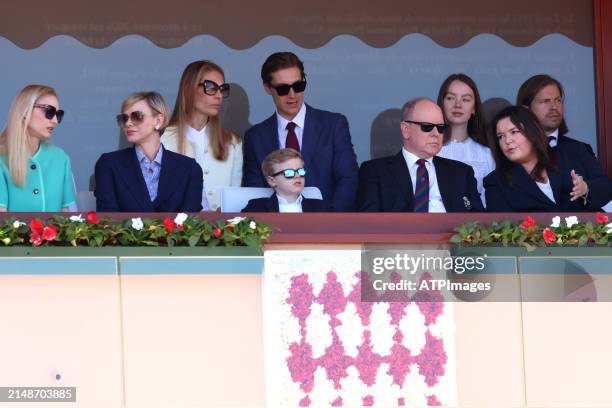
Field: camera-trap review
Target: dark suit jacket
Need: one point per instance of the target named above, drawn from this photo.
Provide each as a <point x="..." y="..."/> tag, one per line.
<point x="327" y="151"/>
<point x="270" y="204"/>
<point x="120" y="185"/>
<point x="568" y="142"/>
<point x="385" y="185"/>
<point x="523" y="195"/>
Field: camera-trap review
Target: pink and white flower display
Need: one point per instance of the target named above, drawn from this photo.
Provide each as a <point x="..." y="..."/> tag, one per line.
<point x="324" y="347"/>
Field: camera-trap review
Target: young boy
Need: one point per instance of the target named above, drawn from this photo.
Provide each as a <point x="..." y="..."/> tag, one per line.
<point x="285" y="173"/>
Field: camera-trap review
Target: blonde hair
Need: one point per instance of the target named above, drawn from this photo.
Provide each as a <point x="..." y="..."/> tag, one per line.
<point x="219" y="139"/>
<point x="277" y="157"/>
<point x="154" y="100"/>
<point x="14" y="136"/>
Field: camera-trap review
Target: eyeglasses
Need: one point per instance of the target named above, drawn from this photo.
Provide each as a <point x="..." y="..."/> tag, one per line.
<point x="136" y="117"/>
<point x="283" y="89"/>
<point x="428" y="127"/>
<point x="211" y="88"/>
<point x="290" y="173"/>
<point x="51" y="111"/>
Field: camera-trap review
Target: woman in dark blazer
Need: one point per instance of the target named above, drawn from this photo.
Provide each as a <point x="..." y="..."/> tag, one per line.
<point x="146" y="177"/>
<point x="531" y="177"/>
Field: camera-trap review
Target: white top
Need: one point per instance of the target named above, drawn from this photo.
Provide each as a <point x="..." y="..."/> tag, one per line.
<point x="299" y="128"/>
<point x="435" y="198"/>
<point x="555" y="134"/>
<point x="286" y="207"/>
<point x="200" y="140"/>
<point x="547" y="189"/>
<point x="217" y="174"/>
<point x="474" y="154"/>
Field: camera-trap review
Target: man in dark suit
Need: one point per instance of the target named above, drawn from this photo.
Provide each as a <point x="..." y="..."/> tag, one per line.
<point x="416" y="179"/>
<point x="543" y="95"/>
<point x="322" y="137"/>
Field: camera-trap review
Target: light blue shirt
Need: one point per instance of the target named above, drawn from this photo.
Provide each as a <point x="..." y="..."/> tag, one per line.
<point x="150" y="170"/>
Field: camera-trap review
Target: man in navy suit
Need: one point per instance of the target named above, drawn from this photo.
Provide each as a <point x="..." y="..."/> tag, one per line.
<point x="415" y="179"/>
<point x="543" y="95"/>
<point x="322" y="137"/>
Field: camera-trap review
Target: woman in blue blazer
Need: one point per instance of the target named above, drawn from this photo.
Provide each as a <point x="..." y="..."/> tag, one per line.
<point x="531" y="177"/>
<point x="146" y="177"/>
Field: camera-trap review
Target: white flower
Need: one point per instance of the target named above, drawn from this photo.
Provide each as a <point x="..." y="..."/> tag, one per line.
<point x="235" y="220"/>
<point x="77" y="218"/>
<point x="6" y="241"/>
<point x="17" y="224"/>
<point x="609" y="227"/>
<point x="137" y="223"/>
<point x="556" y="222"/>
<point x="180" y="218"/>
<point x="253" y="225"/>
<point x="571" y="221"/>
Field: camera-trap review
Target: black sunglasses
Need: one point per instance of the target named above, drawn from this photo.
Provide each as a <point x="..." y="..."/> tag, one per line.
<point x="283" y="89"/>
<point x="136" y="117"/>
<point x="290" y="173"/>
<point x="211" y="88"/>
<point x="428" y="127"/>
<point x="51" y="111"/>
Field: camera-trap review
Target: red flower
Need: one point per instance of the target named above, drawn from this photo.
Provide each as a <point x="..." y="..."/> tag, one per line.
<point x="217" y="232"/>
<point x="35" y="239"/>
<point x="170" y="225"/>
<point x="549" y="236"/>
<point x="229" y="227"/>
<point x="601" y="218"/>
<point x="528" y="222"/>
<point x="36" y="226"/>
<point x="181" y="227"/>
<point x="49" y="232"/>
<point x="92" y="218"/>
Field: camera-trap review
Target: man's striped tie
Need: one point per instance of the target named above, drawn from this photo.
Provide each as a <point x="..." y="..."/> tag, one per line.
<point x="421" y="191"/>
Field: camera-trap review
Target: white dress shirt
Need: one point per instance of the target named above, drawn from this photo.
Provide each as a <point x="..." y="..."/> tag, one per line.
<point x="299" y="128"/>
<point x="285" y="206"/>
<point x="435" y="198"/>
<point x="553" y="142"/>
<point x="476" y="155"/>
<point x="200" y="140"/>
<point x="547" y="190"/>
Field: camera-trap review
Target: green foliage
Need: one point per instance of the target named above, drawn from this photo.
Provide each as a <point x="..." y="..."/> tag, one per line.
<point x="91" y="231"/>
<point x="531" y="235"/>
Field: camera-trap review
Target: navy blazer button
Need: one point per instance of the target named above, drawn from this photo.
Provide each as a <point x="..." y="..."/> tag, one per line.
<point x="33" y="167"/>
<point x="35" y="191"/>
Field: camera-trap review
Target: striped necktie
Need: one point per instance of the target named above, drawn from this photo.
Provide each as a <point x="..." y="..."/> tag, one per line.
<point x="421" y="191"/>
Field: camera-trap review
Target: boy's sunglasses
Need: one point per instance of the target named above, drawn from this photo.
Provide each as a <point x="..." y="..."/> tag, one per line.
<point x="428" y="127"/>
<point x="211" y="88"/>
<point x="283" y="89"/>
<point x="51" y="111"/>
<point x="136" y="117"/>
<point x="290" y="173"/>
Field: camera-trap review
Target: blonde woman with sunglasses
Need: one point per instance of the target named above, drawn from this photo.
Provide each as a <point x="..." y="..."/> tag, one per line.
<point x="146" y="177"/>
<point x="195" y="130"/>
<point x="34" y="175"/>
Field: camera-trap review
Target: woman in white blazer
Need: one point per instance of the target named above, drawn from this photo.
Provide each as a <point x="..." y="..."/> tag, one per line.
<point x="195" y="130"/>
